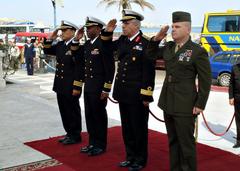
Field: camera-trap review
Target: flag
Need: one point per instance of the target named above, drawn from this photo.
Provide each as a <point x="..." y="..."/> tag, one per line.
<point x="60" y="3"/>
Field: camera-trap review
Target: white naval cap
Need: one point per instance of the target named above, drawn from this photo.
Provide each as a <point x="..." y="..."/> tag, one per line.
<point x="92" y="21"/>
<point x="67" y="25"/>
<point x="129" y="15"/>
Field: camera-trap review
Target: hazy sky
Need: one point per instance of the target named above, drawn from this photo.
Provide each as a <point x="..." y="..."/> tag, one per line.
<point x="77" y="10"/>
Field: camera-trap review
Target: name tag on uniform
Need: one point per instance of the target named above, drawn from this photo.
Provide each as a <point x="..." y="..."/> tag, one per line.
<point x="138" y="47"/>
<point x="95" y="52"/>
<point x="186" y="56"/>
<point x="69" y="52"/>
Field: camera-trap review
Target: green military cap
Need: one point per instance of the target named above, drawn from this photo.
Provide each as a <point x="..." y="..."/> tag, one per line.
<point x="67" y="25"/>
<point x="129" y="15"/>
<point x="181" y="16"/>
<point x="92" y="21"/>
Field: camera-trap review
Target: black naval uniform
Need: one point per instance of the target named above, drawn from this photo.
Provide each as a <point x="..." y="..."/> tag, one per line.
<point x="234" y="92"/>
<point x="179" y="95"/>
<point x="69" y="75"/>
<point x="99" y="72"/>
<point x="134" y="83"/>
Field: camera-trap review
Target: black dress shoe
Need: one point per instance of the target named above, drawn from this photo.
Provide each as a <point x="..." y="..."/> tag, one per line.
<point x="237" y="145"/>
<point x="126" y="163"/>
<point x="69" y="141"/>
<point x="95" y="151"/>
<point x="86" y="149"/>
<point x="135" y="167"/>
<point x="63" y="139"/>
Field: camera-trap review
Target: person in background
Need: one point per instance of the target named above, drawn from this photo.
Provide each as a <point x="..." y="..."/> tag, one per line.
<point x="68" y="80"/>
<point x="29" y="54"/>
<point x="234" y="98"/>
<point x="180" y="99"/>
<point x="14" y="54"/>
<point x="38" y="46"/>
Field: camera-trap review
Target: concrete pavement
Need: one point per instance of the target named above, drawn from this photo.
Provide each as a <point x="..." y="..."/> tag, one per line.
<point x="28" y="112"/>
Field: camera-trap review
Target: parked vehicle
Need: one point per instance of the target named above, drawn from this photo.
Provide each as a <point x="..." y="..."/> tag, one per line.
<point x="221" y="31"/>
<point x="221" y="65"/>
<point x="21" y="37"/>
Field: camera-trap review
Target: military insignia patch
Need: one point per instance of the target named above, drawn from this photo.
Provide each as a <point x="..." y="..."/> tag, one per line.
<point x="138" y="47"/>
<point x="186" y="56"/>
<point x="69" y="52"/>
<point x="188" y="53"/>
<point x="95" y="52"/>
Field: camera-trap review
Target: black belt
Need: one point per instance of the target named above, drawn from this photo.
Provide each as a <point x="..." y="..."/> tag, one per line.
<point x="172" y="79"/>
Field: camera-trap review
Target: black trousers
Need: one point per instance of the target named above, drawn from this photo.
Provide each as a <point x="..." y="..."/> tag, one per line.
<point x="182" y="146"/>
<point x="71" y="114"/>
<point x="96" y="119"/>
<point x="134" y="120"/>
<point x="237" y="117"/>
<point x="29" y="63"/>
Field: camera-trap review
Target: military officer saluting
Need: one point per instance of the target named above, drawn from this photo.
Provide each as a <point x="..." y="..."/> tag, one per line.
<point x="99" y="72"/>
<point x="180" y="100"/>
<point x="133" y="88"/>
<point x="68" y="80"/>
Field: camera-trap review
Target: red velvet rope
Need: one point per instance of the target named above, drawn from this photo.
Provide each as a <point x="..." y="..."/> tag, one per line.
<point x="204" y="119"/>
<point x="155" y="116"/>
<point x="112" y="100"/>
<point x="214" y="133"/>
<point x="149" y="110"/>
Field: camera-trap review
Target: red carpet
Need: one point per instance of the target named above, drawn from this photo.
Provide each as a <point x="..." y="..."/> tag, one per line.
<point x="209" y="159"/>
<point x="57" y="168"/>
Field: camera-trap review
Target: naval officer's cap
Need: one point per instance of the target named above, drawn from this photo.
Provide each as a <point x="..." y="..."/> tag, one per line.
<point x="92" y="21"/>
<point x="129" y="15"/>
<point x="67" y="25"/>
<point x="181" y="16"/>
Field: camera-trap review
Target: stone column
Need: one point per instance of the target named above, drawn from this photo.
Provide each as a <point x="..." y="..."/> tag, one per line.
<point x="2" y="81"/>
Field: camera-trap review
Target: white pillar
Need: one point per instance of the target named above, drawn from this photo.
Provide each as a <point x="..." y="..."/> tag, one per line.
<point x="2" y="81"/>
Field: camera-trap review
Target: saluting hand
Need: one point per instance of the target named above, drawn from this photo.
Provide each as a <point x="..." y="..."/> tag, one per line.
<point x="162" y="33"/>
<point x="111" y="25"/>
<point x="53" y="36"/>
<point x="79" y="34"/>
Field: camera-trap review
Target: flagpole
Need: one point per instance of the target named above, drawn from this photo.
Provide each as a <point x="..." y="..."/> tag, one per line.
<point x="54" y="13"/>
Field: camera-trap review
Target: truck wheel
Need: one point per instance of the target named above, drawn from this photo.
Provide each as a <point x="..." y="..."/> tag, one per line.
<point x="224" y="79"/>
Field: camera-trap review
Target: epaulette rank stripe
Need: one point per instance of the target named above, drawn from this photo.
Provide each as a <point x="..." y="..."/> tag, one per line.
<point x="77" y="83"/>
<point x="107" y="85"/>
<point x="146" y="92"/>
